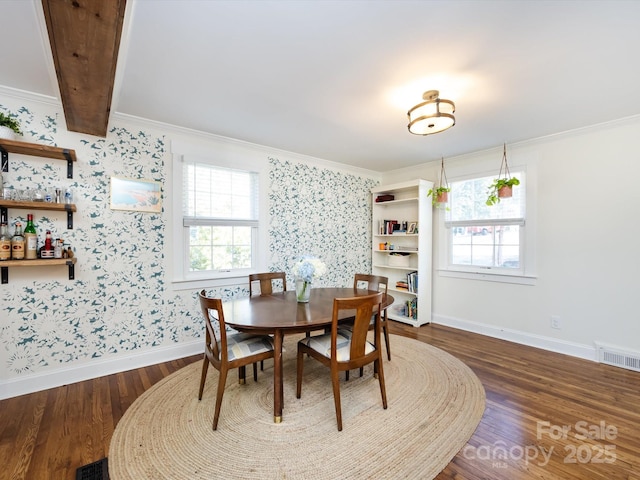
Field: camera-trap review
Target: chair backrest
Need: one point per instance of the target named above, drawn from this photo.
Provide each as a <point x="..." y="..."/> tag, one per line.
<point x="213" y="351"/>
<point x="267" y="282"/>
<point x="364" y="307"/>
<point x="371" y="282"/>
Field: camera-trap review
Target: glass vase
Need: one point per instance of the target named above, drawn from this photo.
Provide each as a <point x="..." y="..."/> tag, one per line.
<point x="303" y="290"/>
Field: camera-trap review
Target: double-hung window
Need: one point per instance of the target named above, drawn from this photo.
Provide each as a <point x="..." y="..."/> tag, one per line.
<point x="482" y="238"/>
<point x="220" y="221"/>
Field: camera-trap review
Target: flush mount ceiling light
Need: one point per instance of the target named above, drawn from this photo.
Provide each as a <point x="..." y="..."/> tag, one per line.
<point x="431" y="116"/>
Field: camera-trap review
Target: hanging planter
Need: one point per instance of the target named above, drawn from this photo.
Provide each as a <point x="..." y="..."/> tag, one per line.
<point x="9" y="127"/>
<point x="505" y="192"/>
<point x="502" y="187"/>
<point x="440" y="194"/>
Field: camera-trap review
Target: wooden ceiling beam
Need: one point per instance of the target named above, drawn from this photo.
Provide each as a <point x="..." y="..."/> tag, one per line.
<point x="85" y="39"/>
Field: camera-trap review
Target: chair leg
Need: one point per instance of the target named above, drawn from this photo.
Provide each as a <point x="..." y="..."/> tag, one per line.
<point x="386" y="340"/>
<point x="335" y="380"/>
<point x="361" y="371"/>
<point x="383" y="390"/>
<point x="242" y="375"/>
<point x="299" y="367"/>
<point x="203" y="376"/>
<point x="346" y="375"/>
<point x="222" y="380"/>
<point x="255" y="371"/>
<point x="262" y="365"/>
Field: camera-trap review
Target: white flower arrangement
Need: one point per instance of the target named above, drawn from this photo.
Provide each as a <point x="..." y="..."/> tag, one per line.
<point x="309" y="267"/>
<point x="305" y="270"/>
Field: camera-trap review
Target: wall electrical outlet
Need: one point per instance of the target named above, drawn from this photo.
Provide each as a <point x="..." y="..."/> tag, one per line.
<point x="555" y="322"/>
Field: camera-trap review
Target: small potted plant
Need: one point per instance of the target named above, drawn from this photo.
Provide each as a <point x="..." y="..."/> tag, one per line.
<point x="9" y="127"/>
<point x="502" y="187"/>
<point x="440" y="194"/>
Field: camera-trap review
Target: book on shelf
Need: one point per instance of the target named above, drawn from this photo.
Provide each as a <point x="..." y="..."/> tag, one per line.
<point x="412" y="282"/>
<point x="412" y="308"/>
<point x="408" y="309"/>
<point x="392" y="227"/>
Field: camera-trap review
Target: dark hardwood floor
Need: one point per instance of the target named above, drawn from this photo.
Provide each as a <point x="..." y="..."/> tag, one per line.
<point x="548" y="416"/>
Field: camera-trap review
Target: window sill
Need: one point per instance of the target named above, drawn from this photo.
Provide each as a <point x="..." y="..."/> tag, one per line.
<point x="516" y="278"/>
<point x="200" y="283"/>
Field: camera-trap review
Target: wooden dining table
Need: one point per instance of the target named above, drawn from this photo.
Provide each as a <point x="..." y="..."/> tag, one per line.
<point x="280" y="314"/>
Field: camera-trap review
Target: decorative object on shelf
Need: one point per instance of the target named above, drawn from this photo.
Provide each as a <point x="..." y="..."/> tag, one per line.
<point x="502" y="187"/>
<point x="434" y="115"/>
<point x="384" y="198"/>
<point x="9" y="127"/>
<point x="399" y="259"/>
<point x="440" y="194"/>
<point x="305" y="271"/>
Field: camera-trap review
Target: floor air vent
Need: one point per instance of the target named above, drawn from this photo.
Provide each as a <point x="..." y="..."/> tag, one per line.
<point x="94" y="471"/>
<point x="618" y="357"/>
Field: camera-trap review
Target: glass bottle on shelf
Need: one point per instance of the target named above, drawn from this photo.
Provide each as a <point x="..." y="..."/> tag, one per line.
<point x="47" y="249"/>
<point x="30" y="239"/>
<point x="5" y="242"/>
<point x="57" y="248"/>
<point x="17" y="243"/>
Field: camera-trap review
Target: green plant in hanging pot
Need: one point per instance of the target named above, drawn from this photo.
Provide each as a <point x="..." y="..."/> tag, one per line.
<point x="502" y="187"/>
<point x="440" y="194"/>
<point x="9" y="127"/>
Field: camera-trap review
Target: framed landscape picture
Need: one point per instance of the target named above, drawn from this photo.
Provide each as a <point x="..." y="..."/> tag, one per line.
<point x="135" y="195"/>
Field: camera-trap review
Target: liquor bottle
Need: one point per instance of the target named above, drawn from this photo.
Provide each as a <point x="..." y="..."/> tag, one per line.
<point x="57" y="248"/>
<point x="5" y="242"/>
<point x="47" y="249"/>
<point x="30" y="239"/>
<point x="17" y="243"/>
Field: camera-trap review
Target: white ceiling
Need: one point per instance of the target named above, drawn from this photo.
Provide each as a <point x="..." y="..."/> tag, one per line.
<point x="334" y="79"/>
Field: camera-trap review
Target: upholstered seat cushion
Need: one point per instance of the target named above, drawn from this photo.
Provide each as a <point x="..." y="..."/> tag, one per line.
<point x="240" y="345"/>
<point x="322" y="344"/>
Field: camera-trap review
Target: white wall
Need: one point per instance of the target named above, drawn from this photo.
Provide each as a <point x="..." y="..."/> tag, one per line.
<point x="586" y="244"/>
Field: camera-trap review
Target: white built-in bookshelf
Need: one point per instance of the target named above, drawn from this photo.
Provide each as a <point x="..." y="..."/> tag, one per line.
<point x="402" y="238"/>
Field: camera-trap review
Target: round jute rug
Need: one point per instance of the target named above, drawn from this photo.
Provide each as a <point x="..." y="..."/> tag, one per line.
<point x="435" y="403"/>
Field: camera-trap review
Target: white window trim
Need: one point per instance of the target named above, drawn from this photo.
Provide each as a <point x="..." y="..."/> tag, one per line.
<point x="524" y="276"/>
<point x="237" y="158"/>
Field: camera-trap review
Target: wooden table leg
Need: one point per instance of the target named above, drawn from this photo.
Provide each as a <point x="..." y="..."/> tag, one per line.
<point x="278" y="389"/>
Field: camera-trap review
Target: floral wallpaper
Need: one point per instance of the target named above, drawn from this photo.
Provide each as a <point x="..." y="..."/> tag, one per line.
<point x="119" y="302"/>
<point x="319" y="212"/>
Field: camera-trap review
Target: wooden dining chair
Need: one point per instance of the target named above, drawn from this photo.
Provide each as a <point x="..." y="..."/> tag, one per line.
<point x="226" y="352"/>
<point x="373" y="282"/>
<point x="381" y="284"/>
<point x="269" y="282"/>
<point x="343" y="350"/>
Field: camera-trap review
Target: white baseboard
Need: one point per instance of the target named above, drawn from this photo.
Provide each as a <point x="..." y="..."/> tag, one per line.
<point x="97" y="368"/>
<point x="63" y="376"/>
<point x="585" y="352"/>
